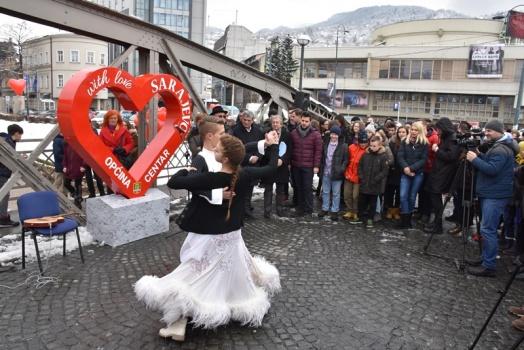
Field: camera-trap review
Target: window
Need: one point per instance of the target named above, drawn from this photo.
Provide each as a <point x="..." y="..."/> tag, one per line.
<point x="103" y="58"/>
<point x="383" y="69"/>
<point x="394" y="69"/>
<point x="478" y="107"/>
<point x="310" y="70"/>
<point x="90" y="57"/>
<point x="418" y="103"/>
<point x="427" y="67"/>
<point x="60" y="81"/>
<point x="46" y="57"/>
<point x="60" y="56"/>
<point x="415" y="69"/>
<point x="352" y="70"/>
<point x="41" y="58"/>
<point x="74" y="56"/>
<point x="404" y="69"/>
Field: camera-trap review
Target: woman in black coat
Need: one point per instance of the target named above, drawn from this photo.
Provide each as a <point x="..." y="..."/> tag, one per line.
<point x="447" y="154"/>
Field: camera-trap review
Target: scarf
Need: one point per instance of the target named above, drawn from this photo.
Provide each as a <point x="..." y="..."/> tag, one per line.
<point x="303" y="132"/>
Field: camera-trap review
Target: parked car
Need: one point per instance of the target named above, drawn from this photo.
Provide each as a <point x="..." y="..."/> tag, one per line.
<point x="127" y="116"/>
<point x="98" y="119"/>
<point x="31" y="112"/>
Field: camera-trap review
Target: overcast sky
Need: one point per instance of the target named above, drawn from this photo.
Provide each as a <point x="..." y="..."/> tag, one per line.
<point x="297" y="13"/>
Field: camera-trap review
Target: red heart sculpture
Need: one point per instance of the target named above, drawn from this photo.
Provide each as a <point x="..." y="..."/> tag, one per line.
<point x="17" y="85"/>
<point x="133" y="93"/>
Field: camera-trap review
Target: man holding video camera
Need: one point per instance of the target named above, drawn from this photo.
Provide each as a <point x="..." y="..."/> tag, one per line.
<point x="494" y="187"/>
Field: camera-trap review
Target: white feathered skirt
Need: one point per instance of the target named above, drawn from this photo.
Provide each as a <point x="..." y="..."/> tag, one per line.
<point x="217" y="281"/>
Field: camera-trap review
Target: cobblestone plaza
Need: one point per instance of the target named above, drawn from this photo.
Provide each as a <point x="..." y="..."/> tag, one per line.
<point x="343" y="287"/>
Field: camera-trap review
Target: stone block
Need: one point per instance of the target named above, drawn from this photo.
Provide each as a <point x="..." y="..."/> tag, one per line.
<point x="116" y="220"/>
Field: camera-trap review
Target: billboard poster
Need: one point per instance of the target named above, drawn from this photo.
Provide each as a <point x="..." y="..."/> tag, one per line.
<point x="356" y="99"/>
<point x="485" y="61"/>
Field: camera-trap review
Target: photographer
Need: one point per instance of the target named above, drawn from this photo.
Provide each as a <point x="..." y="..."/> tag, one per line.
<point x="440" y="178"/>
<point x="494" y="186"/>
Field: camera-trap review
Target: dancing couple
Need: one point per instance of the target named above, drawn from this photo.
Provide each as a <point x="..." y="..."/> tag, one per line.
<point x="218" y="280"/>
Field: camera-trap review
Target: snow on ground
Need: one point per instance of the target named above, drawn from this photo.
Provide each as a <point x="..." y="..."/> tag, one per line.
<point x="11" y="246"/>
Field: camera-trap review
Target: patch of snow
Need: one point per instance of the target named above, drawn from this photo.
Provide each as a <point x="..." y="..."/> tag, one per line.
<point x="12" y="247"/>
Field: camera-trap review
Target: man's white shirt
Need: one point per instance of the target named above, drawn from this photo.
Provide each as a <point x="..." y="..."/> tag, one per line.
<point x="213" y="166"/>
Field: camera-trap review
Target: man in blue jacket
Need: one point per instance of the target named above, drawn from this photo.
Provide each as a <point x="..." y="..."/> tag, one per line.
<point x="14" y="134"/>
<point x="494" y="167"/>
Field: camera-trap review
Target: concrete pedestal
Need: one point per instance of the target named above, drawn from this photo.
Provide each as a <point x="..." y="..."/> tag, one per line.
<point x="116" y="220"/>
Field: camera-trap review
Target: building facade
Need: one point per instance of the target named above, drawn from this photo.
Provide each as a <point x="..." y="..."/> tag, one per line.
<point x="51" y="60"/>
<point x="457" y="68"/>
<point x="186" y="18"/>
<point x="240" y="44"/>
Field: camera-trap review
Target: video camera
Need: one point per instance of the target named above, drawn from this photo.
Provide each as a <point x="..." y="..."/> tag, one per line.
<point x="470" y="140"/>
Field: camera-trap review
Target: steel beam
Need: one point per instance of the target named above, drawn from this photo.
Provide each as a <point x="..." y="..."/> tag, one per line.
<point x="33" y="178"/>
<point x="181" y="72"/>
<point x="86" y="18"/>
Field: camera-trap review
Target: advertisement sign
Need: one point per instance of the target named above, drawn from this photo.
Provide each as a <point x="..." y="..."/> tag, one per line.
<point x="485" y="61"/>
<point x="357" y="99"/>
<point x="133" y="93"/>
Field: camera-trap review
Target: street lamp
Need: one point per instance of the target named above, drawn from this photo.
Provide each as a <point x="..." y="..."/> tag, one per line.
<point x="302" y="40"/>
<point x="344" y="31"/>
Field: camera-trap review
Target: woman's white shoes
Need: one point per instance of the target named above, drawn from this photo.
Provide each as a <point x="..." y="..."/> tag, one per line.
<point x="176" y="330"/>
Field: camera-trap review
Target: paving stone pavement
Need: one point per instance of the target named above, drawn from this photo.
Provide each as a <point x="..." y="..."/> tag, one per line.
<point x="343" y="287"/>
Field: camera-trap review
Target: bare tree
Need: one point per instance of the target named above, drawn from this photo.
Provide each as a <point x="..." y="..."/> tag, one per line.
<point x="18" y="33"/>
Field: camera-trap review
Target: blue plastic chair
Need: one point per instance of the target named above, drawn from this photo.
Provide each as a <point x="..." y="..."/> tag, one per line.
<point x="44" y="203"/>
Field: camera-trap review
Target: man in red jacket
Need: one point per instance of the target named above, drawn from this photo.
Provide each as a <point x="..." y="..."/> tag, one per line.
<point x="305" y="161"/>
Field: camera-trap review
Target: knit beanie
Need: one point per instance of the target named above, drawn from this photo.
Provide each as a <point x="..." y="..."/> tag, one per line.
<point x="362" y="136"/>
<point x="495" y="125"/>
<point x="335" y="130"/>
<point x="371" y="128"/>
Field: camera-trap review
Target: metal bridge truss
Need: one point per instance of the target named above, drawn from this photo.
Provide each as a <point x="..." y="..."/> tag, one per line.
<point x="159" y="50"/>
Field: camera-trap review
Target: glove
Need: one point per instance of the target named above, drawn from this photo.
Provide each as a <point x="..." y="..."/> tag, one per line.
<point x="119" y="151"/>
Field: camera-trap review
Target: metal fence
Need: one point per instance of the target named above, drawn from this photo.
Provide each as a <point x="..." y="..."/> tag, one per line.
<point x="46" y="165"/>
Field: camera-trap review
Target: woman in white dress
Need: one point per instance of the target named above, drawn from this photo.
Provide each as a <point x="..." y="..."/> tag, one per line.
<point x="217" y="280"/>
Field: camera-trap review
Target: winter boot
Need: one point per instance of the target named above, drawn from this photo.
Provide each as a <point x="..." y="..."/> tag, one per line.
<point x="396" y="213"/>
<point x="405" y="222"/>
<point x="435" y="228"/>
<point x="389" y="214"/>
<point x="355" y="220"/>
<point x="348" y="215"/>
<point x="176" y="330"/>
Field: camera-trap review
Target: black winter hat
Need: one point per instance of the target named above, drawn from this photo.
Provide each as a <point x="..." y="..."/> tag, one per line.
<point x="495" y="125"/>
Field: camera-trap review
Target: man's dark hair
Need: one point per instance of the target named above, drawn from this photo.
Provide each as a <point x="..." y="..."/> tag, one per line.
<point x="14" y="128"/>
<point x="306" y="114"/>
<point x="297" y="111"/>
<point x="390" y="124"/>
